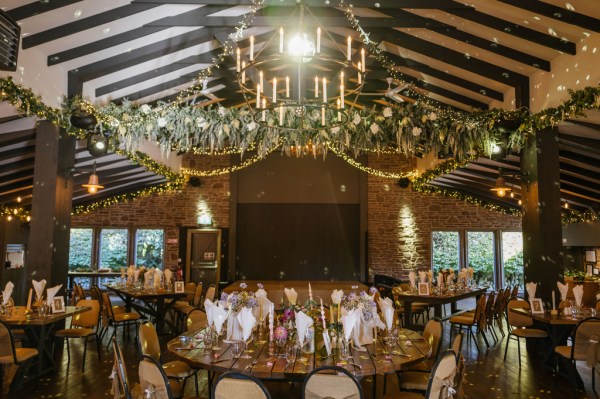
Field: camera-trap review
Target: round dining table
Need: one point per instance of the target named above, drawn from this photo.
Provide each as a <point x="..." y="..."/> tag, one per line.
<point x="382" y="356"/>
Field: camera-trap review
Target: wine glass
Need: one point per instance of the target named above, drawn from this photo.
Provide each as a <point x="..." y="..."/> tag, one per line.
<point x="237" y="347"/>
<point x="246" y="350"/>
<point x="290" y="352"/>
<point x="344" y="350"/>
<point x="208" y="340"/>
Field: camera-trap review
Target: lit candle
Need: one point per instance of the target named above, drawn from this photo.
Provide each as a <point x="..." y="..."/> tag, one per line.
<point x="281" y="115"/>
<point x="359" y="74"/>
<point x="349" y="48"/>
<point x="342" y="78"/>
<point x="339" y="113"/>
<point x="324" y="90"/>
<point x="316" y="87"/>
<point x="272" y="310"/>
<point x="244" y="72"/>
<point x="251" y="48"/>
<point x="310" y="297"/>
<point x="362" y="60"/>
<point x="281" y="40"/>
<point x="238" y="63"/>
<point x="274" y="90"/>
<point x="264" y="111"/>
<point x="323" y="315"/>
<point x="342" y="95"/>
<point x="261" y="79"/>
<point x="257" y="96"/>
<point x="331" y="318"/>
<point x="287" y="86"/>
<point x="323" y="116"/>
<point x="319" y="39"/>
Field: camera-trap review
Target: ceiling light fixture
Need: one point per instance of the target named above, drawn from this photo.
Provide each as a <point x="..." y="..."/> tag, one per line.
<point x="303" y="87"/>
<point x="93" y="184"/>
<point x="97" y="144"/>
<point x="501" y="188"/>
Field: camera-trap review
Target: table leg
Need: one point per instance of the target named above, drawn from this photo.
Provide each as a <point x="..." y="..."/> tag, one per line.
<point x="408" y="314"/>
<point x="160" y="315"/>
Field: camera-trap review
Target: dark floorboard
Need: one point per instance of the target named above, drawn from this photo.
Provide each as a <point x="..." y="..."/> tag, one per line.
<point x="488" y="376"/>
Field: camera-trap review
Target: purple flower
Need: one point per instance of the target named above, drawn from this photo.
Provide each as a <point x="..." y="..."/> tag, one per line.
<point x="351" y="296"/>
<point x="288" y="314"/>
<point x="251" y="302"/>
<point x="260" y="286"/>
<point x="372" y="290"/>
<point x="243" y="286"/>
<point x="363" y="294"/>
<point x="367" y="315"/>
<point x="224" y="296"/>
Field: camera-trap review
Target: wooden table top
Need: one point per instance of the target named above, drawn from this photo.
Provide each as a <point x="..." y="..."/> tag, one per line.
<point x="144" y="293"/>
<point x="411" y="348"/>
<point x="19" y="318"/>
<point x="445" y="298"/>
<point x="552" y="319"/>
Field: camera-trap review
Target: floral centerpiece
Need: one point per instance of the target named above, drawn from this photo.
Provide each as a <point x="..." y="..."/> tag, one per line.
<point x="234" y="303"/>
<point x="363" y="301"/>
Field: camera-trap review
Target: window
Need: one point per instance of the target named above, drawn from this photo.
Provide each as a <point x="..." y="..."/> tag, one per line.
<point x="80" y="249"/>
<point x="481" y="256"/>
<point x="512" y="258"/>
<point x="149" y="247"/>
<point x="445" y="250"/>
<point x="113" y="248"/>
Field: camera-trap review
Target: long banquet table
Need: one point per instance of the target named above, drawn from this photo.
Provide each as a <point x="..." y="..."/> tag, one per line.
<point x="409" y="349"/>
<point x="320" y="289"/>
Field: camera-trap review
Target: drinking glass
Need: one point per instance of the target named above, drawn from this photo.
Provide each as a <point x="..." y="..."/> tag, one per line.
<point x="344" y="350"/>
<point x="237" y="347"/>
<point x="246" y="350"/>
<point x="208" y="340"/>
<point x="290" y="352"/>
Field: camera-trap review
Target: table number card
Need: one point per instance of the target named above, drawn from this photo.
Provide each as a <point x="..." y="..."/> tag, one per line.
<point x="327" y="342"/>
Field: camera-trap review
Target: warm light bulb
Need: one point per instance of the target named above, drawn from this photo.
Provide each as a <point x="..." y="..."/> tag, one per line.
<point x="92" y="190"/>
<point x="19" y="199"/>
<point x="520" y="202"/>
<point x="29" y="218"/>
<point x="9" y="218"/>
<point x="501" y="192"/>
<point x="512" y="195"/>
<point x="301" y="46"/>
<point x="566" y="205"/>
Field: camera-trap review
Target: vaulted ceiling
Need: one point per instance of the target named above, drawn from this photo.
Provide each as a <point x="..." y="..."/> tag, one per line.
<point x="469" y="56"/>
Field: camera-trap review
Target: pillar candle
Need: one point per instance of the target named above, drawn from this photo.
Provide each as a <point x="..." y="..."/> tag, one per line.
<point x="349" y="48"/>
<point x="310" y="292"/>
<point x="29" y="299"/>
<point x="331" y="318"/>
<point x="272" y="310"/>
<point x="324" y="90"/>
<point x="281" y="40"/>
<point x="323" y="315"/>
<point x="318" y="39"/>
<point x="257" y="96"/>
<point x="287" y="86"/>
<point x="244" y="72"/>
<point x="553" y="300"/>
<point x="362" y="60"/>
<point x="238" y="60"/>
<point x="274" y="90"/>
<point x="316" y="87"/>
<point x="251" y="48"/>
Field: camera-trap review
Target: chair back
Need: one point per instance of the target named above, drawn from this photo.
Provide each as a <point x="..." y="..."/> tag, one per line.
<point x="119" y="376"/>
<point x="515" y="291"/>
<point x="153" y="380"/>
<point x="88" y="319"/>
<point x="7" y="343"/>
<point x="433" y="334"/>
<point x="505" y="297"/>
<point x="107" y="306"/>
<point x="480" y="309"/>
<point x="231" y="384"/>
<point x="331" y="382"/>
<point x="148" y="341"/>
<point x="586" y="341"/>
<point x="210" y="293"/>
<point x="489" y="306"/>
<point x="457" y="343"/>
<point x="96" y="293"/>
<point x="197" y="296"/>
<point x="80" y="291"/>
<point x="195" y="320"/>
<point x="517" y="320"/>
<point x="190" y="288"/>
<point x="443" y="376"/>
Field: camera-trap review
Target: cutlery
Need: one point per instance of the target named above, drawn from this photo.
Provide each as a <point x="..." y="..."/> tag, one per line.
<point x="286" y="365"/>
<point x="355" y="365"/>
<point x="251" y="364"/>
<point x="221" y="360"/>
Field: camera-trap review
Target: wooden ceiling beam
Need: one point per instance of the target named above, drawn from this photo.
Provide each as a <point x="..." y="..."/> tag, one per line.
<point x="12" y="138"/>
<point x="106" y="193"/>
<point x="417" y="4"/>
<point x="579" y="158"/>
<point x="21" y="152"/>
<point x="79" y="191"/>
<point x="38" y="7"/>
<point x="568" y="169"/>
<point x="21" y="191"/>
<point x="580" y="143"/>
<point x="489" y="197"/>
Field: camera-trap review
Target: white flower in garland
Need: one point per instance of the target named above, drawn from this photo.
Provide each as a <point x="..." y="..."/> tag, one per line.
<point x="205" y="125"/>
<point x="433" y="116"/>
<point x="222" y="111"/>
<point x="424" y="118"/>
<point x="122" y="130"/>
<point x="236" y="124"/>
<point x="187" y="120"/>
<point x="162" y="122"/>
<point x="404" y="121"/>
<point x="226" y="129"/>
<point x="356" y="119"/>
<point x="416" y="131"/>
<point x="374" y="128"/>
<point x="199" y="121"/>
<point x="387" y="112"/>
<point x="335" y="130"/>
<point x="251" y="126"/>
<point x="125" y="117"/>
<point x="145" y="108"/>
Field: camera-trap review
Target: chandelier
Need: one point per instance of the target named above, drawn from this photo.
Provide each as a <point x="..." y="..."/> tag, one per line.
<point x="301" y="79"/>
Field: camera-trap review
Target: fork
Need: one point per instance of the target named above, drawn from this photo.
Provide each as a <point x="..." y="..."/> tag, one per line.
<point x="251" y="364"/>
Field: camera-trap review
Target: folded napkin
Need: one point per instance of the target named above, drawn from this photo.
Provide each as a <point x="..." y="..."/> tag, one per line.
<point x="450" y="278"/>
<point x="387" y="309"/>
<point x="168" y="274"/>
<point x="51" y="293"/>
<point x="563" y="289"/>
<point x="336" y="296"/>
<point x="260" y="293"/>
<point x="462" y="274"/>
<point x="291" y="295"/>
<point x="264" y="305"/>
<point x="38" y="287"/>
<point x="8" y="289"/>
<point x="531" y="287"/>
<point x="578" y="294"/>
<point x="423" y="277"/>
<point x="348" y="321"/>
<point x="208" y="308"/>
<point x="219" y="316"/>
<point x="303" y="322"/>
<point x="157" y="275"/>
<point x="412" y="279"/>
<point x="247" y="321"/>
<point x="136" y="275"/>
<point x="471" y="272"/>
<point x="440" y="279"/>
<point x="430" y="276"/>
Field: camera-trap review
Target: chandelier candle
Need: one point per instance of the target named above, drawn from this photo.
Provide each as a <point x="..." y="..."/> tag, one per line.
<point x="316" y="87"/>
<point x="261" y="79"/>
<point x="238" y="63"/>
<point x="264" y="112"/>
<point x="258" y="96"/>
<point x="281" y="40"/>
<point x="244" y="72"/>
<point x="362" y="60"/>
<point x="318" y="39"/>
<point x="338" y="107"/>
<point x="323" y="115"/>
<point x="349" y="48"/>
<point x="359" y="74"/>
<point x="251" y="48"/>
<point x="287" y="86"/>
<point x="324" y="90"/>
<point x="342" y="95"/>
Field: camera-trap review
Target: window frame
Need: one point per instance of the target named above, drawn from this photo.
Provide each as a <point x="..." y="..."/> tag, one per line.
<point x="460" y="246"/>
<point x="134" y="243"/>
<point x="99" y="246"/>
<point x="93" y="264"/>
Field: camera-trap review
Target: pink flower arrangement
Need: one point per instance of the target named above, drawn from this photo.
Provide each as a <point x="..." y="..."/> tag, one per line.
<point x="280" y="333"/>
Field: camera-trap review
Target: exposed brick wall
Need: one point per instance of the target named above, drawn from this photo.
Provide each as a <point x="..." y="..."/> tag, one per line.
<point x="171" y="210"/>
<point x="400" y="221"/>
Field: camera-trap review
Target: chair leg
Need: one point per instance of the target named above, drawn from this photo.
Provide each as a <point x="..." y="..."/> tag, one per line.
<point x="474" y="340"/>
<point x="506" y="348"/>
<point x="84" y="353"/>
<point x="519" y="349"/>
<point x="98" y="346"/>
<point x="196" y="381"/>
<point x="68" y="352"/>
<point x="594" y="378"/>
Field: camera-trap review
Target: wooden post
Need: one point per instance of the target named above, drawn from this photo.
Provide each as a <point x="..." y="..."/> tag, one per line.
<point x="48" y="249"/>
<point x="542" y="227"/>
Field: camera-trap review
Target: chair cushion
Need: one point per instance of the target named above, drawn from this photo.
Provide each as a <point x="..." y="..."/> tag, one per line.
<point x="424" y="366"/>
<point x="118" y="309"/>
<point x="119" y="317"/>
<point x="529" y="333"/>
<point x="22" y="355"/>
<point x="463" y="320"/>
<point x="414" y="381"/>
<point x="178" y="369"/>
<point x="74" y="333"/>
<point x="186" y="309"/>
<point x="565" y="351"/>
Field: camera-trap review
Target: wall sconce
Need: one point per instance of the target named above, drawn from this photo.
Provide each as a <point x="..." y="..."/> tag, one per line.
<point x="93" y="184"/>
<point x="205" y="220"/>
<point x="501" y="188"/>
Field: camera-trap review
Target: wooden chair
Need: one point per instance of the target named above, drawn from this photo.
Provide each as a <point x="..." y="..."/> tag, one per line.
<point x="489" y="316"/>
<point x="470" y="320"/>
<point x="586" y="347"/>
<point x="150" y="346"/>
<point x="195" y="320"/>
<point x="121" y="319"/>
<point x="83" y="326"/>
<point x="331" y="382"/>
<point x="229" y="386"/>
<point x="10" y="354"/>
<point x="520" y="325"/>
<point x="182" y="310"/>
<point x="210" y="293"/>
<point x="190" y="289"/>
<point x="154" y="382"/>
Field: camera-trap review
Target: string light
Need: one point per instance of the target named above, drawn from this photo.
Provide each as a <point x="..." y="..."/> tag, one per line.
<point x="229" y="169"/>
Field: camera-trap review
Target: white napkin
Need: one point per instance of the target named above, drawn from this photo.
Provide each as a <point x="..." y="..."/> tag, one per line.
<point x="265" y="305"/>
<point x="168" y="274"/>
<point x="260" y="293"/>
<point x="157" y="275"/>
<point x="563" y="289"/>
<point x="578" y="294"/>
<point x="247" y="321"/>
<point x="336" y="296"/>
<point x="387" y="309"/>
<point x="38" y="287"/>
<point x="219" y="316"/>
<point x="303" y="322"/>
<point x="531" y="287"/>
<point x="51" y="293"/>
<point x="440" y="279"/>
<point x="291" y="295"/>
<point x="423" y="277"/>
<point x="8" y="289"/>
<point x="149" y="273"/>
<point x="208" y="308"/>
<point x="462" y="274"/>
<point x="348" y="322"/>
<point x="450" y="278"/>
<point x="136" y="275"/>
<point x="430" y="276"/>
<point x="412" y="279"/>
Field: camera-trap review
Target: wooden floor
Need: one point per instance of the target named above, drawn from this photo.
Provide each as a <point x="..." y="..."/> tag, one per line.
<point x="488" y="376"/>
